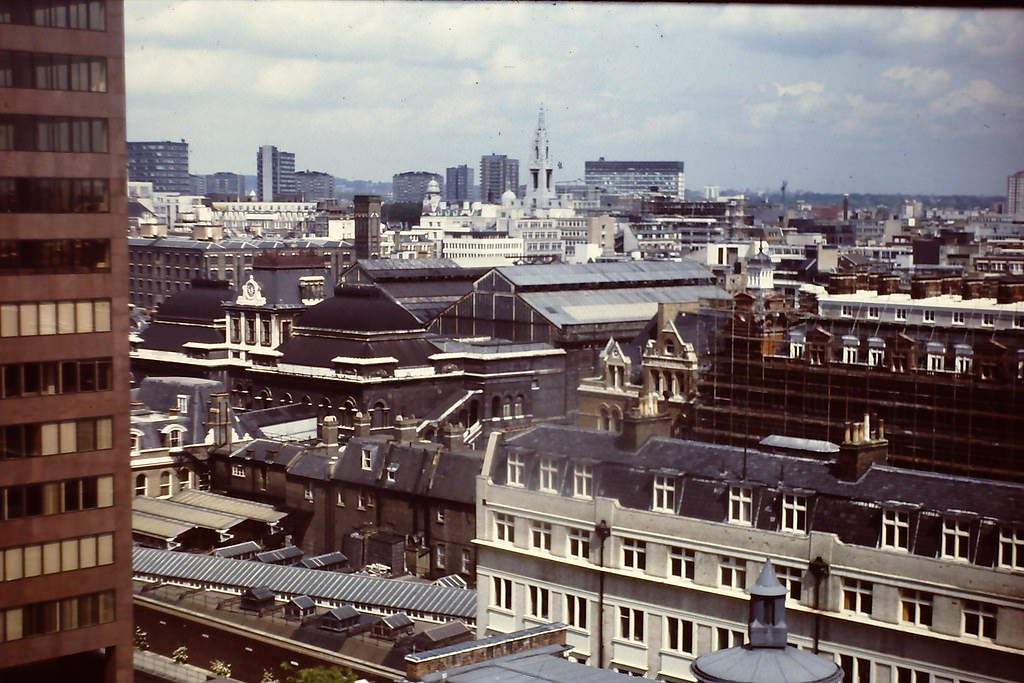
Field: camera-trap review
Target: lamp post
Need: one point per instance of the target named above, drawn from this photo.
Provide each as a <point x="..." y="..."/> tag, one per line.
<point x="602" y="531"/>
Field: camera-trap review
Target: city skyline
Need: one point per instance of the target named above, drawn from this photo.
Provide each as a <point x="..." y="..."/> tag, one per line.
<point x="830" y="99"/>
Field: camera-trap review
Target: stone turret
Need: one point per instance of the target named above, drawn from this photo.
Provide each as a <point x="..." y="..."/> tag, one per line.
<point x="766" y="658"/>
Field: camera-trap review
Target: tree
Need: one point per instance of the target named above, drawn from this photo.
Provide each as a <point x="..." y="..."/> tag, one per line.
<point x="180" y="654"/>
<point x="141" y="640"/>
<point x="220" y="668"/>
<point x="318" y="674"/>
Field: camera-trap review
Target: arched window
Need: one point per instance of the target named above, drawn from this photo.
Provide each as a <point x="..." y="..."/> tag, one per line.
<point x="173" y="437"/>
<point x="604" y="422"/>
<point x="670" y="348"/>
<point x="286" y="399"/>
<point x="306" y="400"/>
<point x="506" y="408"/>
<point x="496" y="407"/>
<point x="517" y="406"/>
<point x="238" y="396"/>
<point x="380" y="415"/>
<point x="140" y="485"/>
<point x="348" y="413"/>
<point x="264" y="399"/>
<point x="165" y="484"/>
<point x="616" y="420"/>
<point x="325" y="404"/>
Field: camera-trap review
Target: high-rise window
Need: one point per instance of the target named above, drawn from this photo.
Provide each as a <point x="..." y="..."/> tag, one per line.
<point x="44" y="71"/>
<point x="88" y="15"/>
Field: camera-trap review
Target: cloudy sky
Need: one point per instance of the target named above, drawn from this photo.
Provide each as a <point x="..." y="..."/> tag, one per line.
<point x="830" y="99"/>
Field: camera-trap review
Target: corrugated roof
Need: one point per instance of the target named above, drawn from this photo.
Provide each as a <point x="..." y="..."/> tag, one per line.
<point x="158" y="527"/>
<point x="371" y="591"/>
<point x="260" y="512"/>
<point x="185" y="514"/>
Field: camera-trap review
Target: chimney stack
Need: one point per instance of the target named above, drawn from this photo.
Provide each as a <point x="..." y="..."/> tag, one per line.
<point x="329" y="434"/>
<point x="860" y="449"/>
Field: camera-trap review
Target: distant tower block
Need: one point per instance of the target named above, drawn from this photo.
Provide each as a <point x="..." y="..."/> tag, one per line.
<point x="367" y="220"/>
<point x="766" y="658"/>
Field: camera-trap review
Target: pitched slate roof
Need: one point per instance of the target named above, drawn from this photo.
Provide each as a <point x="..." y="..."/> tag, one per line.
<point x="625" y="474"/>
<point x="356" y="589"/>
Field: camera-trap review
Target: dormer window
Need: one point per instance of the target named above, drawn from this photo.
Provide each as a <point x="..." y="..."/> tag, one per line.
<point x="548" y="474"/>
<point x="367" y="459"/>
<point x="515" y="469"/>
<point x="895" y="529"/>
<point x="956" y="539"/>
<point x="181" y="403"/>
<point x="794" y="513"/>
<point x="740" y="504"/>
<point x="392" y="472"/>
<point x="583" y="481"/>
<point x="664" y="493"/>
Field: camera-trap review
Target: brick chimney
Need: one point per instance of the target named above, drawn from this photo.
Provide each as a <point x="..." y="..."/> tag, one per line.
<point x="641" y="423"/>
<point x="860" y="449"/>
<point x="219" y="418"/>
<point x="404" y="429"/>
<point x="329" y="434"/>
<point x="361" y="425"/>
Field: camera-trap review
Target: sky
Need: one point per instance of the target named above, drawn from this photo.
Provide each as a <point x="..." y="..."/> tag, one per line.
<point x="829" y="99"/>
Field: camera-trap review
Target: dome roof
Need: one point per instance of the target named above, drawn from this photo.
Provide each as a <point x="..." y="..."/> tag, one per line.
<point x="433" y="187"/>
<point x="508" y="198"/>
<point x="201" y="302"/>
<point x="359" y="309"/>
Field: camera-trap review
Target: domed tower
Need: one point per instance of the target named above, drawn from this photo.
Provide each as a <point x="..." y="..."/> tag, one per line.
<point x="432" y="198"/>
<point x="765" y="658"/>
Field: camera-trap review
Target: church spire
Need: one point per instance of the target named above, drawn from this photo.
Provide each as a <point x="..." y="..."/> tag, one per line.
<point x="541" y="188"/>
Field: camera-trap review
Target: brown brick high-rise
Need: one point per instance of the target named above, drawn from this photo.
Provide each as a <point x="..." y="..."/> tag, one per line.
<point x="65" y="496"/>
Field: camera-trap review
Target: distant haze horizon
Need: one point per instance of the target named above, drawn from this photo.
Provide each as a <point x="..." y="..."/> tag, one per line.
<point x="840" y="99"/>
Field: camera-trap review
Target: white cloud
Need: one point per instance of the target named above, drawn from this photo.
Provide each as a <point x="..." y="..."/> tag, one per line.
<point x="799" y="89"/>
<point x="976" y="96"/>
<point x="918" y="80"/>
